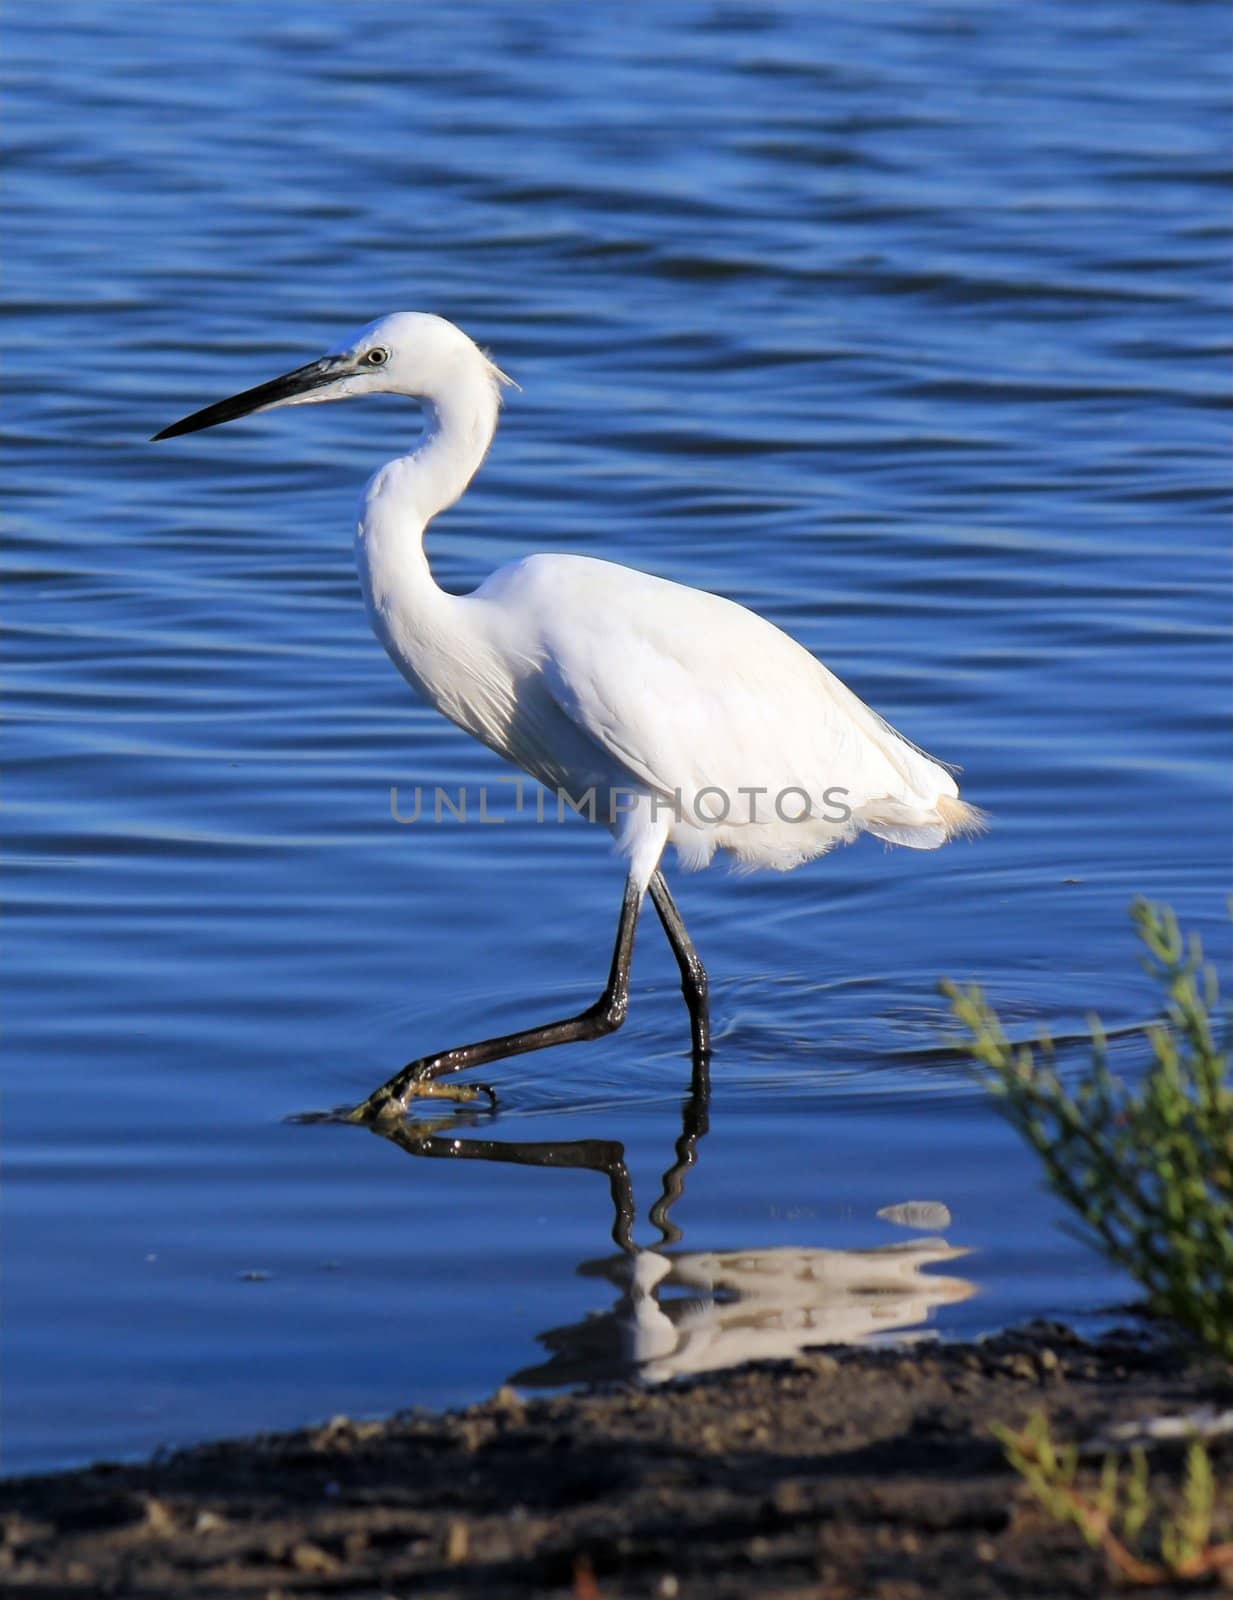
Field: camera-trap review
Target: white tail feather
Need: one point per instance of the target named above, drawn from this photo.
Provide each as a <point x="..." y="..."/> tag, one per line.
<point x="961" y="820"/>
<point x="920" y="829"/>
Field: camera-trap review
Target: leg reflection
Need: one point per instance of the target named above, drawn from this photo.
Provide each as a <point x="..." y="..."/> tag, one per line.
<point x="678" y="1311"/>
<point x="439" y="1140"/>
<point x="591" y="1155"/>
<point x="695" y="1124"/>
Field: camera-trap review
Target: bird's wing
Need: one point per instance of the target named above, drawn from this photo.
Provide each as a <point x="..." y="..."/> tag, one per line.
<point x="690" y="692"/>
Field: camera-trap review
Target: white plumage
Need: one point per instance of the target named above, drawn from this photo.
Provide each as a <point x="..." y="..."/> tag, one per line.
<point x="671" y="715"/>
<point x="695" y="721"/>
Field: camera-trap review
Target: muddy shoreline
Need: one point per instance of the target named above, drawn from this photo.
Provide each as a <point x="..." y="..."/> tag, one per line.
<point x="846" y="1474"/>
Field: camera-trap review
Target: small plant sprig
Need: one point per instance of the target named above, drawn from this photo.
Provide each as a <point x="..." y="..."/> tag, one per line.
<point x="1148" y="1172"/>
<point x="1113" y="1519"/>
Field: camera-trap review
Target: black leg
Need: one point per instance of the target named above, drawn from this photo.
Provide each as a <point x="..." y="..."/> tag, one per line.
<point x="419" y="1079"/>
<point x="693" y="974"/>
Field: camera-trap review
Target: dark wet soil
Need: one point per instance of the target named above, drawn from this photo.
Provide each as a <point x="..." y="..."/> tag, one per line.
<point x="845" y="1475"/>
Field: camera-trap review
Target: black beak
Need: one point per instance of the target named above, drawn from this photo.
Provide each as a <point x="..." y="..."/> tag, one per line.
<point x="277" y="392"/>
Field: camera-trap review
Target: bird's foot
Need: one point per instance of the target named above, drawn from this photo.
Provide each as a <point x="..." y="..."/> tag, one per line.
<point x="388" y="1105"/>
<point x="392" y="1101"/>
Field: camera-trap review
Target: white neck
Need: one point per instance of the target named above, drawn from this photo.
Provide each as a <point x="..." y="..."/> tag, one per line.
<point x="460" y="419"/>
<point x="420" y="624"/>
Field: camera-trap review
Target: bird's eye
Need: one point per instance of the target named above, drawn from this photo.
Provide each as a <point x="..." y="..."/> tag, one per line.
<point x="377" y="358"/>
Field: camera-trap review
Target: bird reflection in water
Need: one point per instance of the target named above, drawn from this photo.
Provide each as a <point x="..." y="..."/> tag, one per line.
<point x="736" y="1305"/>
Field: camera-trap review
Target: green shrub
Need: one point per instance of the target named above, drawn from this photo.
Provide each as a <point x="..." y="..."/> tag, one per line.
<point x="1114" y="1517"/>
<point x="1148" y="1172"/>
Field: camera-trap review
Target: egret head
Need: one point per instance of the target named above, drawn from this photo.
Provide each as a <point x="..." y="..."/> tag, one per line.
<point x="408" y="352"/>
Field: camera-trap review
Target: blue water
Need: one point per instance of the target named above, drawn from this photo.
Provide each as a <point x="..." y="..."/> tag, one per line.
<point x="907" y="325"/>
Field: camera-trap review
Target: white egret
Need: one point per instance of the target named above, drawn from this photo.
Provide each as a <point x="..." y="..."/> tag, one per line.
<point x="667" y="713"/>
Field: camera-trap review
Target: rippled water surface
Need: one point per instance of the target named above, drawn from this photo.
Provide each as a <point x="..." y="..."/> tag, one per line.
<point x="906" y="325"/>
